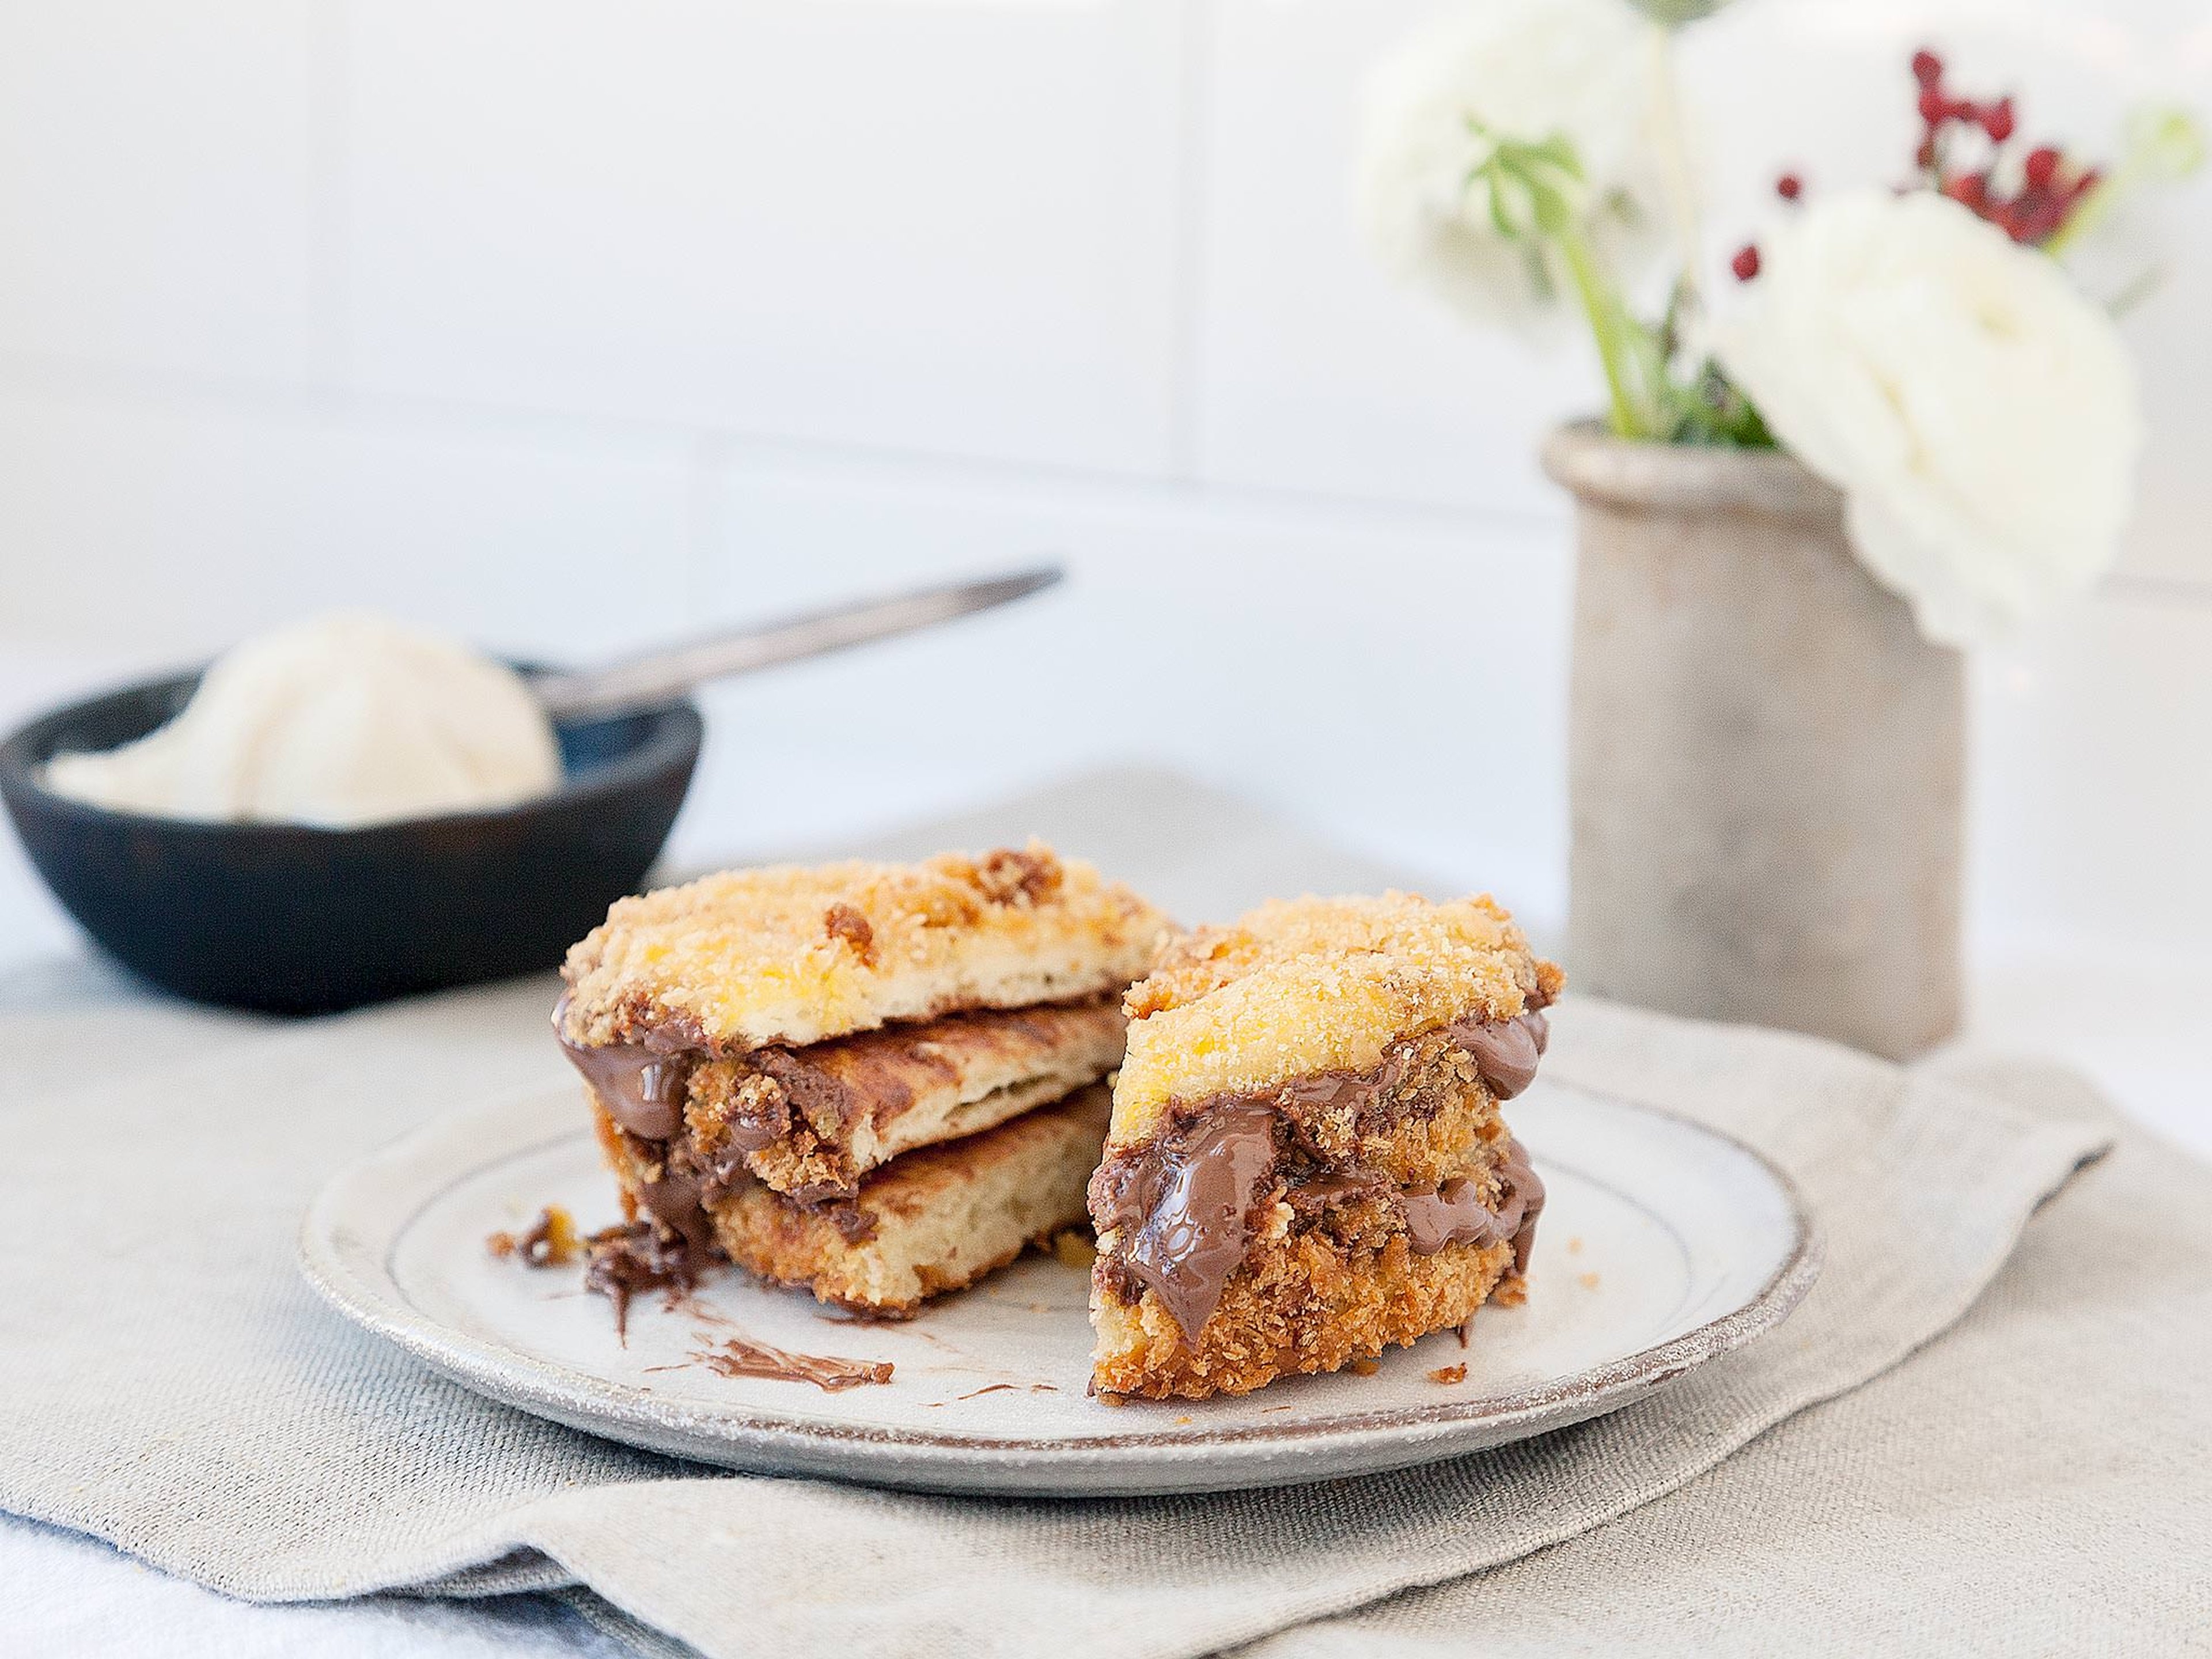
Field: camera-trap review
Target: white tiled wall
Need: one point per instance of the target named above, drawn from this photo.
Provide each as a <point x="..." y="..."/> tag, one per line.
<point x="1318" y="371"/>
<point x="162" y="174"/>
<point x="948" y="229"/>
<point x="161" y="522"/>
<point x="567" y="324"/>
<point x="1398" y="674"/>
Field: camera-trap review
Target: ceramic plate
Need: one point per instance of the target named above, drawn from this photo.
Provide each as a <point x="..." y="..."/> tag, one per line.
<point x="1663" y="1245"/>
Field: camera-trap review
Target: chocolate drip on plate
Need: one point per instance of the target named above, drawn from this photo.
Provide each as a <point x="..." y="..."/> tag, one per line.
<point x="625" y="1260"/>
<point x="740" y="1356"/>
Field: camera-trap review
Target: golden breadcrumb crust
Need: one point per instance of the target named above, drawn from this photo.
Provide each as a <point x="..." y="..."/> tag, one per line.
<point x="1303" y="1302"/>
<point x="793" y="955"/>
<point x="1312" y="985"/>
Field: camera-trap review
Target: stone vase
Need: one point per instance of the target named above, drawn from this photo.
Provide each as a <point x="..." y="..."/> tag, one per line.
<point x="1767" y="761"/>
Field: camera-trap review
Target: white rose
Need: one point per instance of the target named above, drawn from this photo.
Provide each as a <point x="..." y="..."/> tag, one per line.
<point x="1978" y="414"/>
<point x="1529" y="70"/>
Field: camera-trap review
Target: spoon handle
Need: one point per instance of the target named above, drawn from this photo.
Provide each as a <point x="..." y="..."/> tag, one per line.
<point x="664" y="675"/>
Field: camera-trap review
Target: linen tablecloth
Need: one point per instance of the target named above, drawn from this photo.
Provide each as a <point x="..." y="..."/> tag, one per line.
<point x="1990" y="1428"/>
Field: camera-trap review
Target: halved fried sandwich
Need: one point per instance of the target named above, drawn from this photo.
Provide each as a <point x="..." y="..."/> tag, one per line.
<point x="769" y="1051"/>
<point x="1307" y="1163"/>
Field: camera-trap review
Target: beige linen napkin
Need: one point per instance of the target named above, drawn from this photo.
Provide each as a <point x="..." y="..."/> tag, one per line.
<point x="170" y="1384"/>
<point x="2036" y="1481"/>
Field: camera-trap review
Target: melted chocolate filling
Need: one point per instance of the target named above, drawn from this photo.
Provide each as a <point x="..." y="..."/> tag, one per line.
<point x="1181" y="1206"/>
<point x="1505" y="1051"/>
<point x="1184" y="1220"/>
<point x="677" y="1203"/>
<point x="642" y="1085"/>
<point x="1454" y="1214"/>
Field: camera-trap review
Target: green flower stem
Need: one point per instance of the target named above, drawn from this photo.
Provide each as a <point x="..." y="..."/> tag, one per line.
<point x="1625" y="348"/>
<point x="1603" y="309"/>
<point x="1537" y="197"/>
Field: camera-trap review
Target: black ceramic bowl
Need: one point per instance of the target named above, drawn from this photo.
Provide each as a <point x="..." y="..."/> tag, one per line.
<point x="297" y="920"/>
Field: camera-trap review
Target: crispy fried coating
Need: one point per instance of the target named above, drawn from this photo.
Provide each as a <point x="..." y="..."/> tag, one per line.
<point x="1314" y="1300"/>
<point x="1313" y="985"/>
<point x="793" y="955"/>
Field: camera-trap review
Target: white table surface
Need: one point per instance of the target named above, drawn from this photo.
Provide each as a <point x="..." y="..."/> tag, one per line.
<point x="62" y="1594"/>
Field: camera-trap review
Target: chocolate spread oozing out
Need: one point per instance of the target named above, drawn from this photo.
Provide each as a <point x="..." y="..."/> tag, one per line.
<point x="1456" y="1214"/>
<point x="1505" y="1051"/>
<point x="678" y="1202"/>
<point x="1180" y="1206"/>
<point x="690" y="1183"/>
<point x="643" y="1083"/>
<point x="1184" y="1218"/>
<point x="692" y="1116"/>
<point x="640" y="1083"/>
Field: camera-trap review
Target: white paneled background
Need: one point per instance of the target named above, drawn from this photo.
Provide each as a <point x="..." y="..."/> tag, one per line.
<point x="569" y="325"/>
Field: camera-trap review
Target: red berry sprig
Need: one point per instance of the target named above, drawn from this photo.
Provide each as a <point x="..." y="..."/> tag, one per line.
<point x="1789" y="187"/>
<point x="2050" y="187"/>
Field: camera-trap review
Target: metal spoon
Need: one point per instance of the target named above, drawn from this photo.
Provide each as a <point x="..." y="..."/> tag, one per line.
<point x="664" y="675"/>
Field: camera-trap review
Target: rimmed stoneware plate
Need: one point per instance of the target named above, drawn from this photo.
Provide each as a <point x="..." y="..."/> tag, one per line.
<point x="1663" y="1246"/>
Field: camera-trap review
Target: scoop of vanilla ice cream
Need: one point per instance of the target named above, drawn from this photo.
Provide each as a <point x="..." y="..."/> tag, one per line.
<point x="342" y="721"/>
